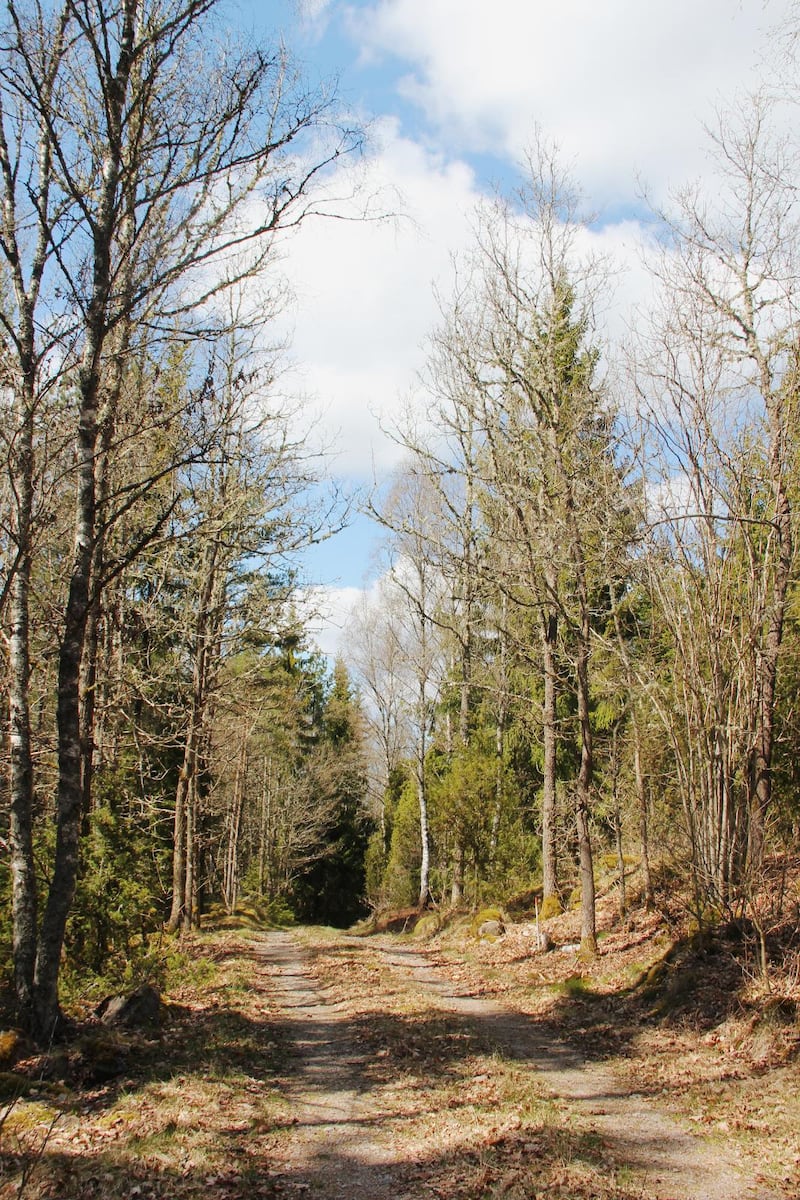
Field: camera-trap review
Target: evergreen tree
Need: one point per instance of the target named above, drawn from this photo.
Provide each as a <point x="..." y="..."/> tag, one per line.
<point x="332" y="889"/>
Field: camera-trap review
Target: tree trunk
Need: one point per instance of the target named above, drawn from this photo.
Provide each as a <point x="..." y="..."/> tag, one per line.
<point x="190" y="884"/>
<point x="499" y="783"/>
<point x="264" y="826"/>
<point x="69" y="799"/>
<point x="550" y="766"/>
<point x="644" y="821"/>
<point x="588" y="930"/>
<point x="179" y="840"/>
<point x="23" y="871"/>
<point x="641" y="791"/>
<point x="231" y="877"/>
<point x="21" y="248"/>
<point x="617" y="810"/>
<point x="185" y="793"/>
<point x="88" y="692"/>
<point x="760" y="766"/>
<point x="583" y="797"/>
<point x="425" y="860"/>
<point x="422" y="751"/>
<point x="71" y="649"/>
<point x="89" y="675"/>
<point x="457" y="890"/>
<point x="422" y="800"/>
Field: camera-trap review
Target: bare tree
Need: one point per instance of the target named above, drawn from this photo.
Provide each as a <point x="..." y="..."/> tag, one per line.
<point x="521" y="334"/>
<point x="374" y="654"/>
<point x="32" y="207"/>
<point x="411" y="516"/>
<point x="144" y="197"/>
<point x="719" y="384"/>
<point x="247" y="503"/>
<point x="445" y="450"/>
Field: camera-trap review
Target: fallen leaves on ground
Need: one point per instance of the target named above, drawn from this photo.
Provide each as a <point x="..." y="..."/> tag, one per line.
<point x="203" y="1108"/>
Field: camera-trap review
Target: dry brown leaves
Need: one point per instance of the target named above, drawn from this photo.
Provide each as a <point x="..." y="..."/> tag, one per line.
<point x="202" y="1109"/>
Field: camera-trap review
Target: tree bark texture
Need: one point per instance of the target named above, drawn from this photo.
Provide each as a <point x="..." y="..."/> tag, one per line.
<point x="550" y="755"/>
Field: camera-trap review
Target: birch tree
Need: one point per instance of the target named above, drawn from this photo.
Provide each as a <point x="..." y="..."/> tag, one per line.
<point x="413" y="523"/>
<point x="145" y="199"/>
<point x="444" y="450"/>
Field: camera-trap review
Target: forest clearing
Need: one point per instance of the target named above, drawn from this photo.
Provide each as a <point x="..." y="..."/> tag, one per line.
<point x="319" y="1063"/>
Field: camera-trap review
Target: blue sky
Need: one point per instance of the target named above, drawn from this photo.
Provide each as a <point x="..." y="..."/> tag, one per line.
<point x="452" y="91"/>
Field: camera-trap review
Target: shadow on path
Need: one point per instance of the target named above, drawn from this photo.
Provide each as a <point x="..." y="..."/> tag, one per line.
<point x="676" y="1163"/>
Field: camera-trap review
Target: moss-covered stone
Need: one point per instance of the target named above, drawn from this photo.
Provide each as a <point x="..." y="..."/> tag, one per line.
<point x="489" y="923"/>
<point x="427" y="926"/>
<point x="551" y="907"/>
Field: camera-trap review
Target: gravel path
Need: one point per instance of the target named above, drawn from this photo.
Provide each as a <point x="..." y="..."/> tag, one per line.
<point x="335" y="1151"/>
<point x="675" y="1164"/>
<point x="339" y="1147"/>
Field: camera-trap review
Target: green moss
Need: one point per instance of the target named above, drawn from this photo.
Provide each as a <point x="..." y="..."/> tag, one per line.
<point x="573" y="985"/>
<point x="427" y="926"/>
<point x="551" y="907"/>
<point x="484" y="915"/>
<point x="11" y="1043"/>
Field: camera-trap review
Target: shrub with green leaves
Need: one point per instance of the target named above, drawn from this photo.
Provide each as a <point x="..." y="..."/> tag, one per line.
<point x="115" y="910"/>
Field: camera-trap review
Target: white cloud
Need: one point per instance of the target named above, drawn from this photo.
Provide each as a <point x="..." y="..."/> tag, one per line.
<point x="365" y="300"/>
<point x="364" y="296"/>
<point x="313" y="10"/>
<point x="326" y="612"/>
<point x="621" y="87"/>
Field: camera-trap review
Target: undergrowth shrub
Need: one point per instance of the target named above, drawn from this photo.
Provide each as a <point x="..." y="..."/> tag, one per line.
<point x="400" y="885"/>
<point x="115" y="910"/>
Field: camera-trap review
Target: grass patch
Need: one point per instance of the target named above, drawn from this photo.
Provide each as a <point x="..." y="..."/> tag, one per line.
<point x="573" y="986"/>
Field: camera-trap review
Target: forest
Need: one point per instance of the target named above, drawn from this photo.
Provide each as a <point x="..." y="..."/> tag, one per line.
<point x="583" y="648"/>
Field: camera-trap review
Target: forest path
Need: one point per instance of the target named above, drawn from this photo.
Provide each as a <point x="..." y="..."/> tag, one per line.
<point x="672" y="1162"/>
<point x="382" y="1110"/>
<point x="334" y="1149"/>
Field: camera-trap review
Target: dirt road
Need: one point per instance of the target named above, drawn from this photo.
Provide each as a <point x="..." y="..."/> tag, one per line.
<point x="404" y="1088"/>
<point x="336" y="1148"/>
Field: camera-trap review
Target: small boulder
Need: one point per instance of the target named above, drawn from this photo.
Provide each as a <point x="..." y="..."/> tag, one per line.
<point x="542" y="941"/>
<point x="101" y="1059"/>
<point x="427" y="926"/>
<point x="490" y="929"/>
<point x="138" y="1009"/>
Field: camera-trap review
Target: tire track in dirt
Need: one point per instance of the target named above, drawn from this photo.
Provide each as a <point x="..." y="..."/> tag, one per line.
<point x="675" y="1164"/>
<point x="334" y="1149"/>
